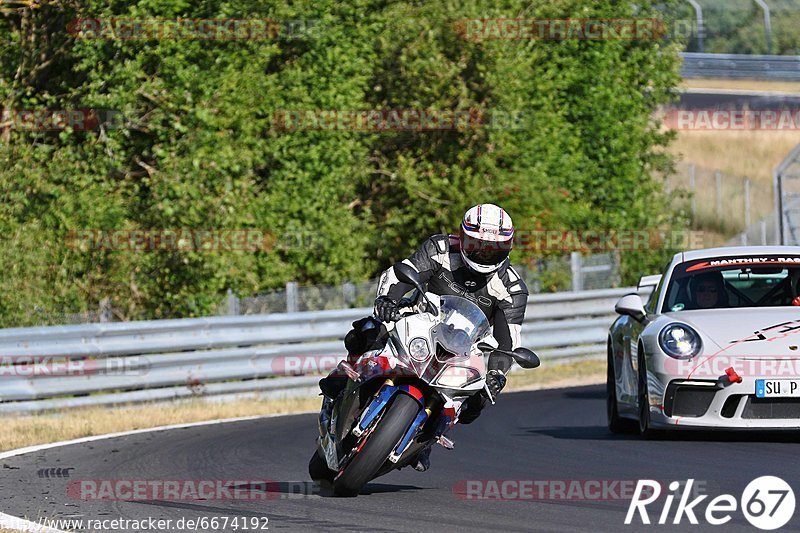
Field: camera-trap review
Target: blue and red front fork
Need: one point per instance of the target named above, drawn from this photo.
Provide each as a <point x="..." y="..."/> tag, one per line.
<point x="379" y="402"/>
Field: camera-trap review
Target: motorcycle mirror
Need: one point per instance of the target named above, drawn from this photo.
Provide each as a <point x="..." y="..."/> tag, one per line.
<point x="485" y="347"/>
<point x="526" y="358"/>
<point x="407" y="274"/>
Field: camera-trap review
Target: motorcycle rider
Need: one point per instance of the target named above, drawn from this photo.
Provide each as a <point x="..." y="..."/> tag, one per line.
<point x="473" y="264"/>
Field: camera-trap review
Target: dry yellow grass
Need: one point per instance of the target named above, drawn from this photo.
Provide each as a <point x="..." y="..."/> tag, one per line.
<point x="740" y="153"/>
<point x="749" y="85"/>
<point x="737" y="154"/>
<point x="26" y="430"/>
<point x="550" y="376"/>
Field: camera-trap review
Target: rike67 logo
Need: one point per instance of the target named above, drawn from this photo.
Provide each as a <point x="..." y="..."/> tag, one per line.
<point x="767" y="503"/>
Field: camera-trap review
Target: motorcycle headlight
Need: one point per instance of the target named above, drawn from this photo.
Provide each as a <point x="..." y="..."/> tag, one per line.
<point x="680" y="341"/>
<point x="418" y="349"/>
<point x="457" y="376"/>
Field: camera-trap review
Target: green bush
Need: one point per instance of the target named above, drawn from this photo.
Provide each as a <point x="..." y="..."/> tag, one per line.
<point x="199" y="146"/>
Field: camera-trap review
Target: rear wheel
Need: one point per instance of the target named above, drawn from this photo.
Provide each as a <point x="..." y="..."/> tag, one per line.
<point x="368" y="460"/>
<point x="616" y="424"/>
<point x="318" y="469"/>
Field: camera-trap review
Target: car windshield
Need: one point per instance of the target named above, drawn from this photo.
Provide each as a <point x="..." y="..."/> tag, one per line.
<point x="731" y="282"/>
<point x="462" y="324"/>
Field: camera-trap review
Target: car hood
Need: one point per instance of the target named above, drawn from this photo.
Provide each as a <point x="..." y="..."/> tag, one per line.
<point x="757" y="332"/>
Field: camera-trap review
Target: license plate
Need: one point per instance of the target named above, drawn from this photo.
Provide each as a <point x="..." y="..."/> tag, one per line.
<point x="776" y="388"/>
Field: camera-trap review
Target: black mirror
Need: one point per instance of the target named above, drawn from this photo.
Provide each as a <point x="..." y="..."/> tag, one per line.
<point x="407" y="274"/>
<point x="526" y="358"/>
<point x="485" y="347"/>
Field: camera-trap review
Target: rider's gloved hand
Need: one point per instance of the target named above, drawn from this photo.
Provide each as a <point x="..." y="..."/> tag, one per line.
<point x="495" y="380"/>
<point x="386" y="309"/>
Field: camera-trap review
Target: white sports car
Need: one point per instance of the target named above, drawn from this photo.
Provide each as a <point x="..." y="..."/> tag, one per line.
<point x="716" y="345"/>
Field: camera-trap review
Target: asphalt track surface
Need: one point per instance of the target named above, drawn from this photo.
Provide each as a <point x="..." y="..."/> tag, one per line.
<point x="544" y="435"/>
<point x="709" y="99"/>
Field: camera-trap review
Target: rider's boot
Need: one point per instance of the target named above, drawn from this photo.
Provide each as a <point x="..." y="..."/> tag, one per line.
<point x="422" y="461"/>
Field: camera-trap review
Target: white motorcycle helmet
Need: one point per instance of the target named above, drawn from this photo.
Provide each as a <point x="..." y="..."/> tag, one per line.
<point x="486" y="237"/>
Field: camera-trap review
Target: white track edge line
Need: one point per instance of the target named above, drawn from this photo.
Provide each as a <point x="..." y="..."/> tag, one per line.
<point x="21" y="524"/>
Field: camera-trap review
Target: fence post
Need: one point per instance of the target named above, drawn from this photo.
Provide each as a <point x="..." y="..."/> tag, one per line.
<point x="232" y="303"/>
<point x="291" y="297"/>
<point x="575" y="266"/>
<point x="104" y="311"/>
<point x="767" y="24"/>
<point x="693" y="187"/>
<point x="700" y="30"/>
<point x="763" y="232"/>
<point x="746" y="203"/>
<point x="348" y="294"/>
<point x="718" y="188"/>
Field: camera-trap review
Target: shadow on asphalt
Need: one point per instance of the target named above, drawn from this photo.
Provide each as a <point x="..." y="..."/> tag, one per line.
<point x="586" y="393"/>
<point x="287" y="490"/>
<point x="602" y="433"/>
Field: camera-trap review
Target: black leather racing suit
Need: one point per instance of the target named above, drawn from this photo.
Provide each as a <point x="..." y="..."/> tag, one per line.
<point x="501" y="295"/>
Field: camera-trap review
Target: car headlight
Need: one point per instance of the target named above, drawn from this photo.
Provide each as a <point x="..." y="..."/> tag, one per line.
<point x="418" y="349"/>
<point x="680" y="341"/>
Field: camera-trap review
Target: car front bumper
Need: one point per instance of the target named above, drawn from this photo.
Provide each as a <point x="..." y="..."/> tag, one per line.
<point x="705" y="403"/>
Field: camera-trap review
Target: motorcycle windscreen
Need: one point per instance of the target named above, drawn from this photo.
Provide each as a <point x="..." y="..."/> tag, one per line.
<point x="462" y="324"/>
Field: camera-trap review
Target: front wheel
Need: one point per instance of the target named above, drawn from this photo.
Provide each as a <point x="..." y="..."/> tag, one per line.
<point x="645" y="428"/>
<point x="616" y="424"/>
<point x="368" y="460"/>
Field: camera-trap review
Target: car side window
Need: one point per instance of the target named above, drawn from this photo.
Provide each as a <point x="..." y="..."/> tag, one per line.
<point x="650" y="306"/>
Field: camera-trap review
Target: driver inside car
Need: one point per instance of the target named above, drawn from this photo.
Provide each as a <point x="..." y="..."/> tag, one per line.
<point x="708" y="291"/>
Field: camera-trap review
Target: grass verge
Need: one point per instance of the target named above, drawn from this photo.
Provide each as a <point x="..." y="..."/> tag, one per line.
<point x="570" y="374"/>
<point x="27" y="430"/>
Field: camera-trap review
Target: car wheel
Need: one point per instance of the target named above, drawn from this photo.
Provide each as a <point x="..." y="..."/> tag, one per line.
<point x="616" y="424"/>
<point x="645" y="428"/>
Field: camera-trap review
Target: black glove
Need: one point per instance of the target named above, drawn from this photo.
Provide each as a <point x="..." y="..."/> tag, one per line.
<point x="495" y="380"/>
<point x="386" y="309"/>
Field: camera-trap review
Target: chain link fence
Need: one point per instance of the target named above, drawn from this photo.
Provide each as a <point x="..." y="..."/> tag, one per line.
<point x="723" y="203"/>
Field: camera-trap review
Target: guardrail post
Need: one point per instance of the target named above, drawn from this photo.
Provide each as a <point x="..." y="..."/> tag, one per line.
<point x="575" y="262"/>
<point x="763" y="232"/>
<point x="291" y="297"/>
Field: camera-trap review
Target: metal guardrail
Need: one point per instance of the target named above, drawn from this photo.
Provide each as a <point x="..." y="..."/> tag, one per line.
<point x="57" y="367"/>
<point x="767" y="67"/>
